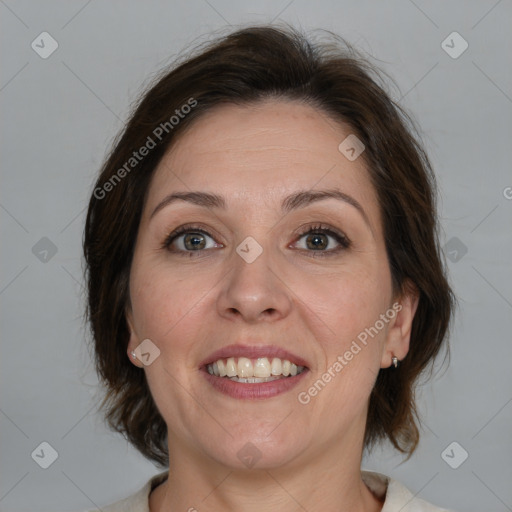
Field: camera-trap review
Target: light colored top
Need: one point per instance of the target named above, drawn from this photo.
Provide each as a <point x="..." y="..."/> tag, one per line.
<point x="397" y="497"/>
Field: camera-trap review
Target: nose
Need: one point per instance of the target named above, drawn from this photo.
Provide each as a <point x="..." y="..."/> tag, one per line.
<point x="254" y="292"/>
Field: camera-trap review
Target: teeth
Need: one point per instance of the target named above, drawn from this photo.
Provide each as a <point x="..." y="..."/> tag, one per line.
<point x="245" y="368"/>
<point x="276" y="367"/>
<point x="231" y="368"/>
<point x="260" y="370"/>
<point x="262" y="367"/>
<point x="254" y="380"/>
<point x="221" y="367"/>
<point x="286" y="367"/>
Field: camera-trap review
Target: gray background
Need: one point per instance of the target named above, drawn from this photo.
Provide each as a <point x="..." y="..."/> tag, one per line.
<point x="59" y="116"/>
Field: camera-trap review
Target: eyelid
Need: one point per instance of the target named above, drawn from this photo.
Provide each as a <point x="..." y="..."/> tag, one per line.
<point x="340" y="237"/>
<point x="319" y="226"/>
<point x="185" y="229"/>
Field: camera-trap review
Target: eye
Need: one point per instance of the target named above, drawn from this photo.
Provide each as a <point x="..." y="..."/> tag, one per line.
<point x="319" y="239"/>
<point x="189" y="239"/>
<point x="322" y="239"/>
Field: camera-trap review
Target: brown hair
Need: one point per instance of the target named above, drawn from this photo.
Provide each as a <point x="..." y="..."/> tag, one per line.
<point x="245" y="66"/>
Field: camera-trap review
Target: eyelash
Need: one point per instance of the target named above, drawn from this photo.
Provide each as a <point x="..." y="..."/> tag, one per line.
<point x="342" y="239"/>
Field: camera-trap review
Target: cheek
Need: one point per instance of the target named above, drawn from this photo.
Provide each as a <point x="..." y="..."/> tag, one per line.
<point x="167" y="303"/>
<point x="351" y="305"/>
<point x="350" y="302"/>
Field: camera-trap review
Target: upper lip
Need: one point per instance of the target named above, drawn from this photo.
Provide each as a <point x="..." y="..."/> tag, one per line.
<point x="253" y="352"/>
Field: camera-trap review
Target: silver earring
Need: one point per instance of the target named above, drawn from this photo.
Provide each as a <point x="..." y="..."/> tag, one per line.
<point x="395" y="361"/>
<point x="133" y="354"/>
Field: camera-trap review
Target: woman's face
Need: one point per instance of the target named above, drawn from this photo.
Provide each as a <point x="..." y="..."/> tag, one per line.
<point x="245" y="286"/>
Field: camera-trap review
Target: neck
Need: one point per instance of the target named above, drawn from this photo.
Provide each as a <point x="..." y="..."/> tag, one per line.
<point x="331" y="481"/>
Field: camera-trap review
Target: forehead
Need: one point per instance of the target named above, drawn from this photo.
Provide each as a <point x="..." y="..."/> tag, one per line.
<point x="261" y="152"/>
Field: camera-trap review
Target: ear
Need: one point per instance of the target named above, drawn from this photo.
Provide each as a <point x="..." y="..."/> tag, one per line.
<point x="399" y="331"/>
<point x="134" y="341"/>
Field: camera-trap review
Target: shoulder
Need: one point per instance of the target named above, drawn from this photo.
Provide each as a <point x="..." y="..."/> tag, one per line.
<point x="139" y="501"/>
<point x="397" y="496"/>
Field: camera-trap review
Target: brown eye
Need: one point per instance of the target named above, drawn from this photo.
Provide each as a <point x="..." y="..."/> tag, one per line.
<point x="323" y="241"/>
<point x="317" y="241"/>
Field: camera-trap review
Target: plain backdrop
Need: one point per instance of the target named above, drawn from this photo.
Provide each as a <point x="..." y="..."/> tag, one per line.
<point x="59" y="115"/>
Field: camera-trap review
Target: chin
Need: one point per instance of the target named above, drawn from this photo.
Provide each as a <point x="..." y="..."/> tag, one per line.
<point x="257" y="448"/>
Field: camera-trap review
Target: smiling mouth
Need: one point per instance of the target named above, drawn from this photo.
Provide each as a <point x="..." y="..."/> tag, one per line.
<point x="253" y="371"/>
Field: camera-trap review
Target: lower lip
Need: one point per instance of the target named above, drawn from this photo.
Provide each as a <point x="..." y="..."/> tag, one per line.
<point x="246" y="391"/>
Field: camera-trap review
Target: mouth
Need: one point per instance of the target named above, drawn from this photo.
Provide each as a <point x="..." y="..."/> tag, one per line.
<point x="253" y="372"/>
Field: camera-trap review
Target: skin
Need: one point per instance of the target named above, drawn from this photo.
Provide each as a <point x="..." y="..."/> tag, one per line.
<point x="190" y="304"/>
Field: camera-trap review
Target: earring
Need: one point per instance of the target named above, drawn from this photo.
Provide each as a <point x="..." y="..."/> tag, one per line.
<point x="133" y="354"/>
<point x="395" y="361"/>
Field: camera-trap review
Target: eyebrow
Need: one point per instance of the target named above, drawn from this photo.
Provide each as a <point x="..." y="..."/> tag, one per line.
<point x="294" y="201"/>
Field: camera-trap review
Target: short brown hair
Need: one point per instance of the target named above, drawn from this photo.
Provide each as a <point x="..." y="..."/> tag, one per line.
<point x="243" y="67"/>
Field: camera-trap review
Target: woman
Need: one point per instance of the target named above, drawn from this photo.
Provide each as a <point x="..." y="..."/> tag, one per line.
<point x="264" y="279"/>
